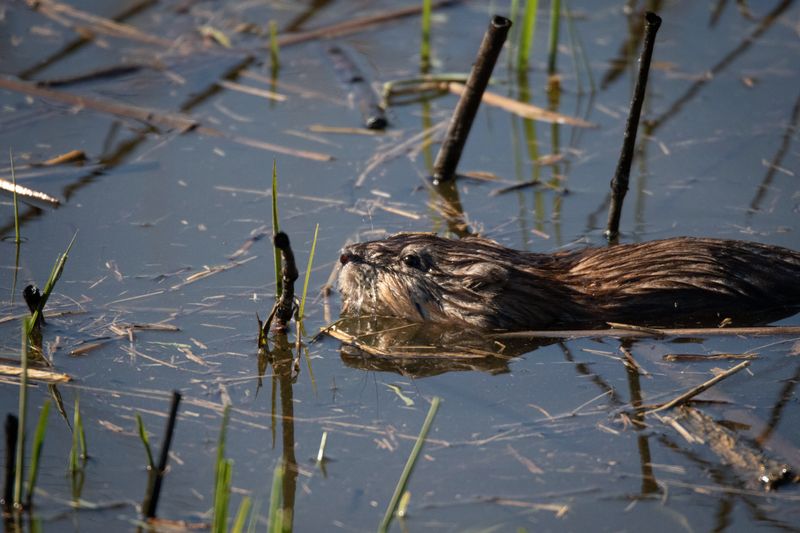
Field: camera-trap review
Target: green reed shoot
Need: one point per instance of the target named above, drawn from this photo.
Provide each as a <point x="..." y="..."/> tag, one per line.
<point x="253" y="522"/>
<point x="78" y="451"/>
<point x="222" y="479"/>
<point x="412" y="460"/>
<point x="36" y="452"/>
<point x="275" y="501"/>
<point x="146" y="442"/>
<point x="241" y="515"/>
<point x="425" y="45"/>
<point x="300" y="312"/>
<point x="16" y="205"/>
<point x="55" y="274"/>
<point x="27" y="327"/>
<point x="552" y="47"/>
<point x="526" y="33"/>
<point x="274" y="48"/>
<point x="275" y="229"/>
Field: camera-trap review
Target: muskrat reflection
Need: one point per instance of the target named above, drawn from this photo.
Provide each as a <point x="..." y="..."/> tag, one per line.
<point x="415" y="349"/>
<point x="478" y="282"/>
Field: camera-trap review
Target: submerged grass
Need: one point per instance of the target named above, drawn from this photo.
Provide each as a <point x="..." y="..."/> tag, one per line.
<point x="36" y="452"/>
<point x="412" y="460"/>
<point x="526" y="34"/>
<point x="275" y="229"/>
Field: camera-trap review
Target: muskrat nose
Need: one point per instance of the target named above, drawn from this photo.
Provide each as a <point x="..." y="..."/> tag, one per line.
<point x="348" y="257"/>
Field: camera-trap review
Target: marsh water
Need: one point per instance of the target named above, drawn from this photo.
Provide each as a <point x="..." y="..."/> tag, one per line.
<point x="173" y="228"/>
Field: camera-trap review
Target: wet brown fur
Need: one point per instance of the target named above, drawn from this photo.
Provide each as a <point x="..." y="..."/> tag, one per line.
<point x="684" y="280"/>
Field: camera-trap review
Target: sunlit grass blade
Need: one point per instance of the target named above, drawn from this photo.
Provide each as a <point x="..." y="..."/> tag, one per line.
<point x="275" y="229"/>
<point x="222" y="479"/>
<point x="36" y="452"/>
<point x="241" y="515"/>
<point x="145" y="441"/>
<point x="552" y="45"/>
<point x="253" y="522"/>
<point x="301" y="312"/>
<point x="412" y="459"/>
<point x="16" y="205"/>
<point x="55" y="274"/>
<point x="274" y="49"/>
<point x="526" y="33"/>
<point x="275" y="500"/>
<point x="425" y="45"/>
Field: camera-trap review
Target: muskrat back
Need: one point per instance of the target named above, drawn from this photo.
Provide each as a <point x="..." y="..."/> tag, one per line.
<point x="423" y="277"/>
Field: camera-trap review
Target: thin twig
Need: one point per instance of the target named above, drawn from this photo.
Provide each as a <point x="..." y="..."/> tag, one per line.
<point x="691" y="393"/>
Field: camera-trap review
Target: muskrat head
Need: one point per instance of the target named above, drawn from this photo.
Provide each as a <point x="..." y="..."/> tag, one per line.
<point x="420" y="277"/>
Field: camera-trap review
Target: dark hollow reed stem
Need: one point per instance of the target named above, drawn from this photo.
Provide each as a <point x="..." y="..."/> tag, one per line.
<point x="12" y="428"/>
<point x="154" y="488"/>
<point x="444" y="169"/>
<point x="284" y="308"/>
<point x="619" y="184"/>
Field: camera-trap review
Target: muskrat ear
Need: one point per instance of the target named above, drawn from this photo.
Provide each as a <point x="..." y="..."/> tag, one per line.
<point x="483" y="276"/>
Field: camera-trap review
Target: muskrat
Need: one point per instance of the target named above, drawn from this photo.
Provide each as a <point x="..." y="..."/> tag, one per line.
<point x="475" y="281"/>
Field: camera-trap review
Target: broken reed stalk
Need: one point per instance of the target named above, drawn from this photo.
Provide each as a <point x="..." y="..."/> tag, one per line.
<point x="284" y="307"/>
<point x="12" y="429"/>
<point x="274" y="47"/>
<point x="688" y="395"/>
<point x="412" y="460"/>
<point x="156" y="476"/>
<point x="444" y="169"/>
<point x="619" y="184"/>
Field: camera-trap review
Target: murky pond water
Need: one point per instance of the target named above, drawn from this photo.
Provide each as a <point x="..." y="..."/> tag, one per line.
<point x="549" y="439"/>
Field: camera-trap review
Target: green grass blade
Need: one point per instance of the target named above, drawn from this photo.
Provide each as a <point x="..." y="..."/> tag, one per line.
<point x="16" y="205"/>
<point x="425" y="45"/>
<point x="274" y="49"/>
<point x="36" y="452"/>
<point x="412" y="459"/>
<point x="77" y="430"/>
<point x="146" y="442"/>
<point x="275" y="229"/>
<point x="27" y="326"/>
<point x="301" y="312"/>
<point x="222" y="473"/>
<point x="552" y="46"/>
<point x="275" y="500"/>
<point x="55" y="274"/>
<point x="241" y="515"/>
<point x="526" y="34"/>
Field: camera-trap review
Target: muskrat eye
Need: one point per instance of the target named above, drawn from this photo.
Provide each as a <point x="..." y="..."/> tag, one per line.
<point x="412" y="261"/>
